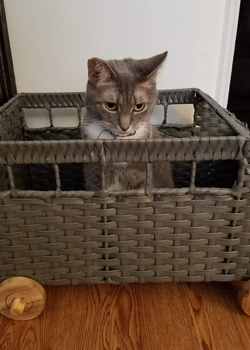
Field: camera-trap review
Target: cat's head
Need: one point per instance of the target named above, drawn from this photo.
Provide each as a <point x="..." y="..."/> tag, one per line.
<point x="121" y="94"/>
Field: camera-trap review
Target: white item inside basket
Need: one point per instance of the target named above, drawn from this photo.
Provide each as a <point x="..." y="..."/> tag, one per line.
<point x="62" y="117"/>
<point x="177" y="114"/>
<point x="67" y="117"/>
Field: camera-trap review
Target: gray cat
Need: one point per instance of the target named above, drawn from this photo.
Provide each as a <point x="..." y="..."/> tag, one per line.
<point x="120" y="99"/>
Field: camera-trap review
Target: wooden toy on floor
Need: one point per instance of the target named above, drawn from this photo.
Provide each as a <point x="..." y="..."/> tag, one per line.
<point x="21" y="298"/>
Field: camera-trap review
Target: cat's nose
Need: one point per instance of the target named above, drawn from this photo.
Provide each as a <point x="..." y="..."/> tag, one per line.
<point x="125" y="122"/>
<point x="124" y="128"/>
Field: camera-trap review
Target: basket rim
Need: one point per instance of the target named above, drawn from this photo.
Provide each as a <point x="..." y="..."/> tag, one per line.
<point x="94" y="151"/>
<point x="239" y="127"/>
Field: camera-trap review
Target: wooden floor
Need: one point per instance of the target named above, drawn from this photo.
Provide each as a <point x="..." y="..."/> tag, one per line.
<point x="134" y="317"/>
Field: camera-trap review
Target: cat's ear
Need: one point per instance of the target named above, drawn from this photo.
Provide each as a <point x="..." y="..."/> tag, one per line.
<point x="99" y="71"/>
<point x="150" y="66"/>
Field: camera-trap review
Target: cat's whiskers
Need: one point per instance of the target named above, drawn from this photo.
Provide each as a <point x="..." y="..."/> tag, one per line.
<point x="145" y="128"/>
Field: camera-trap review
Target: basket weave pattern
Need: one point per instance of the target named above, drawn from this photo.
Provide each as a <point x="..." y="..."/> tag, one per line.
<point x="54" y="231"/>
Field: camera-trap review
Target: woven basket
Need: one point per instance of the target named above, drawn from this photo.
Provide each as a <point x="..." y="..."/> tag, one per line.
<point x="56" y="232"/>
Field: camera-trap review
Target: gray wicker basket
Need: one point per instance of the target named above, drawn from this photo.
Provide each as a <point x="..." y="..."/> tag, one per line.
<point x="56" y="232"/>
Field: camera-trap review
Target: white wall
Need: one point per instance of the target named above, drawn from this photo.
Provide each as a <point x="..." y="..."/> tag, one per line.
<point x="51" y="40"/>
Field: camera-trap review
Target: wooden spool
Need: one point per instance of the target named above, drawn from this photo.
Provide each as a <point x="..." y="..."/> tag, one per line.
<point x="244" y="298"/>
<point x="21" y="298"/>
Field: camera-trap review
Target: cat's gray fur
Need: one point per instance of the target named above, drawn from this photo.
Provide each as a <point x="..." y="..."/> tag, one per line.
<point x="125" y="82"/>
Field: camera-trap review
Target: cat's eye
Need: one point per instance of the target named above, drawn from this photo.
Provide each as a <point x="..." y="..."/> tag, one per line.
<point x="111" y="106"/>
<point x="139" y="107"/>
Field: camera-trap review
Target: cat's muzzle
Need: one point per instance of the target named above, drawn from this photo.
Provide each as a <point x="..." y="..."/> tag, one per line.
<point x="131" y="134"/>
<point x="116" y="136"/>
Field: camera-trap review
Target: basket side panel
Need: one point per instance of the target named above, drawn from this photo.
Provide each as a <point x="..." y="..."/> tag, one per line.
<point x="54" y="241"/>
<point x="243" y="260"/>
<point x="58" y="241"/>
